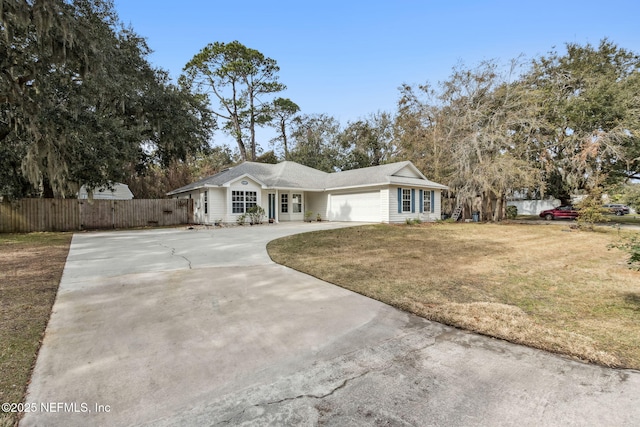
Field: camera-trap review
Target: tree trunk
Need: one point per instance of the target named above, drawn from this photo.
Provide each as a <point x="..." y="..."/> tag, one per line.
<point x="497" y="212"/>
<point x="283" y="129"/>
<point x="252" y="126"/>
<point x="47" y="189"/>
<point x="242" y="148"/>
<point x="485" y="214"/>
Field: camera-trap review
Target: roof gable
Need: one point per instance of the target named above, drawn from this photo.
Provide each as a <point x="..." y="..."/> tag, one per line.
<point x="409" y="171"/>
<point x="243" y="178"/>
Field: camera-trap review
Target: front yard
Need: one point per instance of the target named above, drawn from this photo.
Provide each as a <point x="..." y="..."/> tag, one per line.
<point x="546" y="286"/>
<point x="32" y="266"/>
<point x="543" y="285"/>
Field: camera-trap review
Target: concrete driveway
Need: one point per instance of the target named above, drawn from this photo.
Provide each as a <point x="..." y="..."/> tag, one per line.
<point x="199" y="327"/>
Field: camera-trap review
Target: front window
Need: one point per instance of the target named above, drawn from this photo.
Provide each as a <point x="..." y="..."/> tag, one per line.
<point x="206" y="204"/>
<point x="251" y="199"/>
<point x="241" y="201"/>
<point x="296" y="203"/>
<point x="426" y="205"/>
<point x="406" y="200"/>
<point x="284" y="203"/>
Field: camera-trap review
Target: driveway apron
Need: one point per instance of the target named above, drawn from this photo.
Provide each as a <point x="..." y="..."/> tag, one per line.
<point x="191" y="327"/>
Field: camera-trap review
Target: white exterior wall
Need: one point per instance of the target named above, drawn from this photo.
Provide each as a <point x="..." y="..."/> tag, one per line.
<point x="217" y="205"/>
<point x="407" y="172"/>
<point x="395" y="217"/>
<point x="263" y="197"/>
<point x="385" y="214"/>
<point x="216" y="208"/>
<point x="437" y="208"/>
<point x="198" y="207"/>
<point x="219" y="202"/>
<point x="317" y="203"/>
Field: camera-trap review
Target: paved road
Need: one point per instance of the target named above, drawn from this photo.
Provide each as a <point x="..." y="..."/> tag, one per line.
<point x="198" y="327"/>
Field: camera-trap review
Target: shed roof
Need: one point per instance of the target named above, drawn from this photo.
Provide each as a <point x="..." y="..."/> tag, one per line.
<point x="118" y="191"/>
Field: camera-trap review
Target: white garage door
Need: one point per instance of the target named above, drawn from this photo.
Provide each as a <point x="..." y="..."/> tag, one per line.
<point x="363" y="207"/>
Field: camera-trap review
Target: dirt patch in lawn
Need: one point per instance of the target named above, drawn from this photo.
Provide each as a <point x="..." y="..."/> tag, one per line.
<point x="32" y="266"/>
<point x="545" y="286"/>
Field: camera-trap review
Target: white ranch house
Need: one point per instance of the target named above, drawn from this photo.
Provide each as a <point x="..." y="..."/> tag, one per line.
<point x="388" y="193"/>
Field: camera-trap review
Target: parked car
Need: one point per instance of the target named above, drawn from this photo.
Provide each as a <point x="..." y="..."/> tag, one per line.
<point x="617" y="208"/>
<point x="565" y="211"/>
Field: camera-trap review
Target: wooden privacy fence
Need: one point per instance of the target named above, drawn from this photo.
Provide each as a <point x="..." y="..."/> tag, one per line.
<point x="27" y="215"/>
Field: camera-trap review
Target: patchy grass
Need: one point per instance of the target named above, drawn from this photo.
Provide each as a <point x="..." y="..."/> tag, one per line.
<point x="545" y="286"/>
<point x="32" y="266"/>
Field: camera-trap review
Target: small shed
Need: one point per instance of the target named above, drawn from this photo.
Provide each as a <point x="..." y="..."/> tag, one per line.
<point x="118" y="191"/>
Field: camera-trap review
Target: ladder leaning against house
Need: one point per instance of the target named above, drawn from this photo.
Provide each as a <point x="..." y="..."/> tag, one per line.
<point x="456" y="213"/>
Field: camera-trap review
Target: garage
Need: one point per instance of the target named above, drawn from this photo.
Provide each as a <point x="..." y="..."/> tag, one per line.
<point x="359" y="207"/>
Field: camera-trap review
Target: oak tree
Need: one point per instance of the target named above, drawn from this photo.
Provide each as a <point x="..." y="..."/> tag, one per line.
<point x="79" y="102"/>
<point x="368" y="141"/>
<point x="315" y="142"/>
<point x="587" y="111"/>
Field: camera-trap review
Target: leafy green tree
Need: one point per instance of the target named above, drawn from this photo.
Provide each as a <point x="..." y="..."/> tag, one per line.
<point x="79" y="101"/>
<point x="567" y="120"/>
<point x="283" y="110"/>
<point x="587" y="115"/>
<point x="368" y="142"/>
<point x="177" y="123"/>
<point x="316" y="144"/>
<point x="239" y="78"/>
<point x="268" y="157"/>
<point x="12" y="182"/>
<point x="47" y="52"/>
<point x="590" y="208"/>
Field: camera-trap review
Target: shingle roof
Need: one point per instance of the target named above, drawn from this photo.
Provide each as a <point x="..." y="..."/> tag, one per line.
<point x="295" y="175"/>
<point x="292" y="175"/>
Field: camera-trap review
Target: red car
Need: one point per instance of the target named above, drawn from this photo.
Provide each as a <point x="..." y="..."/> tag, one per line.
<point x="566" y="211"/>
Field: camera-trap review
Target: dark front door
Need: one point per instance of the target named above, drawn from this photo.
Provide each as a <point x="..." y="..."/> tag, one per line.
<point x="272" y="206"/>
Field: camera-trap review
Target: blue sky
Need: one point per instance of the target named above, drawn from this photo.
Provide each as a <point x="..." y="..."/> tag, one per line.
<point x="348" y="58"/>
